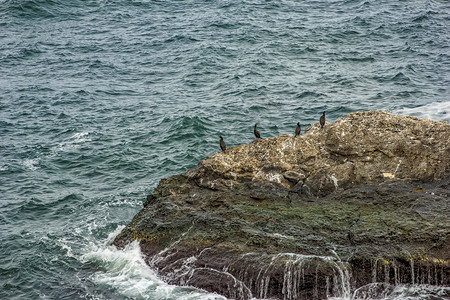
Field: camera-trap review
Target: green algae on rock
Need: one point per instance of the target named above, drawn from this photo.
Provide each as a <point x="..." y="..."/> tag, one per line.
<point x="365" y="199"/>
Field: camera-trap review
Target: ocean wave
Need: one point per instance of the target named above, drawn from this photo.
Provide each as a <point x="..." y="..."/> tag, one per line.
<point x="22" y="52"/>
<point x="43" y="9"/>
<point x="357" y="59"/>
<point x="399" y="78"/>
<point x="310" y="94"/>
<point x="31" y="8"/>
<point x="50" y="207"/>
<point x="425" y="16"/>
<point x="184" y="126"/>
<point x="220" y="24"/>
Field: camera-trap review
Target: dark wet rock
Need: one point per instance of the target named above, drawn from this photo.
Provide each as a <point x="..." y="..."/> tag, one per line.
<point x="363" y="200"/>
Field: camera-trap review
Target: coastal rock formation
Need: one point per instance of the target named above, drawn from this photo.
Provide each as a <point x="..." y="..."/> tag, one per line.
<point x="361" y="201"/>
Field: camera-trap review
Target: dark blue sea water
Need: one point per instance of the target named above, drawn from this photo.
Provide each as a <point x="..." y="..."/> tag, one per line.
<point x="99" y="100"/>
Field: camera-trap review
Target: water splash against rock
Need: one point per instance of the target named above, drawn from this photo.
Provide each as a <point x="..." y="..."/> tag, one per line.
<point x="254" y="275"/>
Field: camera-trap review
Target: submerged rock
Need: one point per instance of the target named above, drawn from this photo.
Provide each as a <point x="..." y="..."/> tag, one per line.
<point x="362" y="200"/>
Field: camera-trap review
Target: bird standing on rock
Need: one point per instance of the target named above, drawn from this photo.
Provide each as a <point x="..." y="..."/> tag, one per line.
<point x="222" y="144"/>
<point x="298" y="129"/>
<point x="322" y="120"/>
<point x="256" y="132"/>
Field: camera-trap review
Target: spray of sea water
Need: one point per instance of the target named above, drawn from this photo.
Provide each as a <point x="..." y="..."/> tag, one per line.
<point x="127" y="273"/>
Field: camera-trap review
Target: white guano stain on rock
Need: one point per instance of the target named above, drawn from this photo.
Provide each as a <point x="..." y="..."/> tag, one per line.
<point x="335" y="181"/>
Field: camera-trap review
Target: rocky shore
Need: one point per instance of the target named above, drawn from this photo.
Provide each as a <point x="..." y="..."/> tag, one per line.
<point x="363" y="200"/>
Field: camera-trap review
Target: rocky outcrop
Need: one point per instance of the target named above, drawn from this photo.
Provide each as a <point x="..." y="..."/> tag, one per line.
<point x="362" y="200"/>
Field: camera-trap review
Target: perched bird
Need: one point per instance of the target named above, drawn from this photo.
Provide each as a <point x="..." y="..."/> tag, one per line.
<point x="298" y="129"/>
<point x="322" y="120"/>
<point x="256" y="132"/>
<point x="222" y="144"/>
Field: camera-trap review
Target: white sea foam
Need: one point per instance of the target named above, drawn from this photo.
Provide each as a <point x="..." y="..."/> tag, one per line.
<point x="126" y="272"/>
<point x="64" y="245"/>
<point x="4" y="167"/>
<point x="112" y="235"/>
<point x="74" y="141"/>
<point x="31" y="164"/>
<point x="437" y="111"/>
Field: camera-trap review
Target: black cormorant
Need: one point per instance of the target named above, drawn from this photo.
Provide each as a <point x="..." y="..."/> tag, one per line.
<point x="322" y="120"/>
<point x="256" y="132"/>
<point x="222" y="144"/>
<point x="298" y="129"/>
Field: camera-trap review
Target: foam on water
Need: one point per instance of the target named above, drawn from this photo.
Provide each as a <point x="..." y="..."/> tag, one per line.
<point x="31" y="164"/>
<point x="74" y="141"/>
<point x="437" y="111"/>
<point x="126" y="272"/>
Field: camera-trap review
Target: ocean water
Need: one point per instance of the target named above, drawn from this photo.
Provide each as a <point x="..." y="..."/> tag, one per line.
<point x="99" y="100"/>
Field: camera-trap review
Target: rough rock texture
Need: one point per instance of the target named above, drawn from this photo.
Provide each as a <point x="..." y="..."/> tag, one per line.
<point x="365" y="199"/>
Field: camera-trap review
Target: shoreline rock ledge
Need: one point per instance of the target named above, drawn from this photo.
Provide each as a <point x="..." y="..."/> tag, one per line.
<point x="359" y="206"/>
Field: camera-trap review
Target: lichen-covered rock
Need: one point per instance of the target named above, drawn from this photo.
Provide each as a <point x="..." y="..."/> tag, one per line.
<point x="362" y="200"/>
<point x="364" y="147"/>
